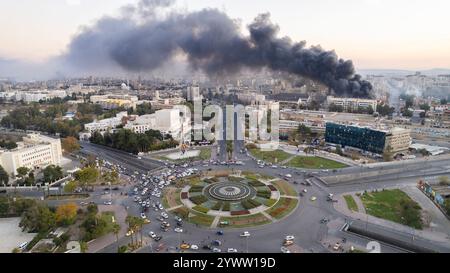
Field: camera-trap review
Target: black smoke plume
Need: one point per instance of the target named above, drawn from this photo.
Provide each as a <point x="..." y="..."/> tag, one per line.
<point x="212" y="42"/>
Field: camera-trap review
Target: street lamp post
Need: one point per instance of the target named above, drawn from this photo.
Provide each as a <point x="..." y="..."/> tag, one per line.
<point x="246" y="243"/>
<point x="110" y="192"/>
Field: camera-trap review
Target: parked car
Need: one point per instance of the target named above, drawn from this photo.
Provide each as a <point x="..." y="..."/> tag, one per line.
<point x="194" y="247"/>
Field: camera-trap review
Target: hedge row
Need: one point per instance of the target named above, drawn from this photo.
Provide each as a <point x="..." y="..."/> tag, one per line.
<point x="250" y="204"/>
<point x="198" y="199"/>
<point x="263" y="194"/>
<point x="255" y="183"/>
<point x="226" y="206"/>
<point x="201" y="209"/>
<point x="196" y="189"/>
<point x="217" y="206"/>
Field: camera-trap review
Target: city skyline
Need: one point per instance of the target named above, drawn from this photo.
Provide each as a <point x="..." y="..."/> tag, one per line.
<point x="401" y="40"/>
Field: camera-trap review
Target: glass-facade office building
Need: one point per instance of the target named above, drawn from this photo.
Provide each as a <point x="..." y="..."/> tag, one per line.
<point x="358" y="137"/>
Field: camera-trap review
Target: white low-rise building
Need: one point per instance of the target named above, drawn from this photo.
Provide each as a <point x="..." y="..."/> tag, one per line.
<point x="105" y="125"/>
<point x="34" y="152"/>
<point x="167" y="121"/>
<point x="33" y="96"/>
<point x="352" y="104"/>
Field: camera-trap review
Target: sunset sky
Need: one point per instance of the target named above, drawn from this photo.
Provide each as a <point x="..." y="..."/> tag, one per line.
<point x="398" y="34"/>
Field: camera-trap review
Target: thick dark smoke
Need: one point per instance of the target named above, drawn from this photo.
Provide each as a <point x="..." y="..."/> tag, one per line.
<point x="211" y="42"/>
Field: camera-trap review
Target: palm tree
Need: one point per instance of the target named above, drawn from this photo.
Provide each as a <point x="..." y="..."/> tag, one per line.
<point x="129" y="221"/>
<point x="230" y="149"/>
<point x="116" y="230"/>
<point x="135" y="224"/>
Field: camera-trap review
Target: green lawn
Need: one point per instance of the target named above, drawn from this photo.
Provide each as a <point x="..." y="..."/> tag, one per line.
<point x="275" y="157"/>
<point x="201" y="219"/>
<point x="306" y="162"/>
<point x="205" y="154"/>
<point x="393" y="205"/>
<point x="246" y="221"/>
<point x="351" y="203"/>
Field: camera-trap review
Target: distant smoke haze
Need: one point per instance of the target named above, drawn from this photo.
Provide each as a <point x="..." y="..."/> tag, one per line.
<point x="140" y="40"/>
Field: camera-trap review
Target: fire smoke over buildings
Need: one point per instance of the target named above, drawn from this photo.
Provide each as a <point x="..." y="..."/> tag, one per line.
<point x="139" y="41"/>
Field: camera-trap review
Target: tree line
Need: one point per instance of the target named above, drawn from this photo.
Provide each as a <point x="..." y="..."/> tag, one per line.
<point x="128" y="141"/>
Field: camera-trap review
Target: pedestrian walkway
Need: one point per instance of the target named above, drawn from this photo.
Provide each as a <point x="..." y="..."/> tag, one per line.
<point x="288" y="196"/>
<point x="359" y="203"/>
<point x="284" y="162"/>
<point x="215" y="222"/>
<point x="174" y="208"/>
<point x="268" y="216"/>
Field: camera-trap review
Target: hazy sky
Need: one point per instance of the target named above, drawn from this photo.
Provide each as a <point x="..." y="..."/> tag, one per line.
<point x="406" y="34"/>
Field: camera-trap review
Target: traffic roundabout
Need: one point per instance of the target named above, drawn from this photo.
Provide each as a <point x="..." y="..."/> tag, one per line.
<point x="234" y="199"/>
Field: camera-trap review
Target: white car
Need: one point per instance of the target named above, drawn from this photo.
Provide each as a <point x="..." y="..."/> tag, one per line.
<point x="152" y="234"/>
<point x="305" y="190"/>
<point x="245" y="234"/>
<point x="289" y="238"/>
<point x="313" y="198"/>
<point x="108" y="203"/>
<point x="178" y="230"/>
<point x="232" y="250"/>
<point x="216" y="250"/>
<point x="288" y="175"/>
<point x="143" y="216"/>
<point x="194" y="247"/>
<point x="285" y="250"/>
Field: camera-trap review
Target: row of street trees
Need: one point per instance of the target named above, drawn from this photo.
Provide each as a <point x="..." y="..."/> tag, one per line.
<point x="26" y="176"/>
<point x="128" y="141"/>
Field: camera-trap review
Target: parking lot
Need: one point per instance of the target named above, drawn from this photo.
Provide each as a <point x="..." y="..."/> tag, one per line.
<point x="11" y="235"/>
